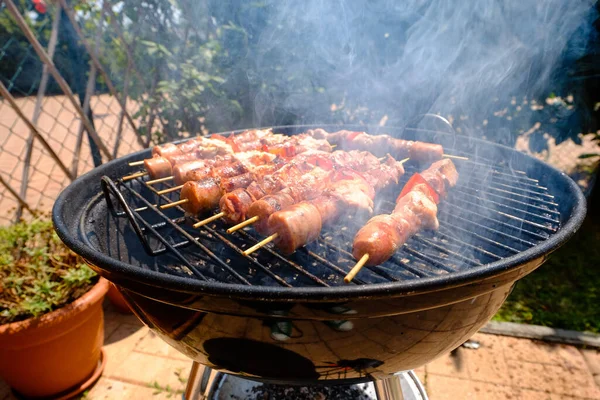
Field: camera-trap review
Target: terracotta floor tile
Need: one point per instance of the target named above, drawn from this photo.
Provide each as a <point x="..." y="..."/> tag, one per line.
<point x="447" y="388"/>
<point x="592" y="359"/>
<point x="153" y="344"/>
<point x="528" y="394"/>
<point x="148" y="393"/>
<point x="147" y="370"/>
<point x="571" y="357"/>
<point x="120" y="344"/>
<point x="573" y="382"/>
<point x="110" y="389"/>
<point x="110" y="325"/>
<point x="554" y="396"/>
<point x="492" y="391"/>
<point x="487" y="363"/>
<point x="139" y="368"/>
<point x="531" y="351"/>
<point x="175" y="374"/>
<point x="529" y="376"/>
<point x="453" y="364"/>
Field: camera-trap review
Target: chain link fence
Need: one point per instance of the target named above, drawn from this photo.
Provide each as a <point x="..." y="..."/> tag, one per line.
<point x="44" y="138"/>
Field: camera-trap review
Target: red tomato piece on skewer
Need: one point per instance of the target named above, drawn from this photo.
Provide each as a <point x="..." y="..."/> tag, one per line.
<point x="417" y="179"/>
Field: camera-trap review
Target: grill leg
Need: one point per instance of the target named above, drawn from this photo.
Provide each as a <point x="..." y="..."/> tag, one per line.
<point x="389" y="389"/>
<point x="401" y="386"/>
<point x="200" y="383"/>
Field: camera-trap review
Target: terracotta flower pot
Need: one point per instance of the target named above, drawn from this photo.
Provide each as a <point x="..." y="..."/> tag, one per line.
<point x="117" y="299"/>
<point x="55" y="353"/>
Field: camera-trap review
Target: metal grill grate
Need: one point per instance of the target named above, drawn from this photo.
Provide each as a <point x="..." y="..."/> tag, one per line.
<point x="493" y="212"/>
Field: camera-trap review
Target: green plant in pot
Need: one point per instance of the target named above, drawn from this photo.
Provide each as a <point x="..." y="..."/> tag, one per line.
<point x="51" y="318"/>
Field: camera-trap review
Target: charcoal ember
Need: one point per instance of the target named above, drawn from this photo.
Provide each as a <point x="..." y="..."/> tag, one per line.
<point x="276" y="392"/>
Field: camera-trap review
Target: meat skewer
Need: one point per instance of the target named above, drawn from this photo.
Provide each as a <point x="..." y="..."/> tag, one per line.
<point x="260" y="211"/>
<point x="285" y="146"/>
<point x="166" y="156"/>
<point x="297" y="145"/>
<point x="271" y="195"/>
<point x="162" y="163"/>
<point x="301" y="223"/>
<point x="202" y="148"/>
<point x="383" y="144"/>
<point x="204" y="194"/>
<point x="416" y="209"/>
<point x="171" y="149"/>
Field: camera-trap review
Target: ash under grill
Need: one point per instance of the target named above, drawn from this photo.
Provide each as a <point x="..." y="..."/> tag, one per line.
<point x="494" y="212"/>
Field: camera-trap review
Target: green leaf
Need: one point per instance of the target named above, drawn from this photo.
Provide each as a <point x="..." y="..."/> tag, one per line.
<point x="589" y="155"/>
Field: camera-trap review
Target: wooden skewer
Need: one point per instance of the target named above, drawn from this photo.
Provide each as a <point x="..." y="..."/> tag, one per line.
<point x="159" y="180"/>
<point x="136" y="163"/>
<point x="133" y="176"/>
<point x="260" y="244"/>
<point x="243" y="224"/>
<point x="363" y="260"/>
<point x="209" y="220"/>
<point x="456" y="157"/>
<point x="169" y="190"/>
<point x="174" y="204"/>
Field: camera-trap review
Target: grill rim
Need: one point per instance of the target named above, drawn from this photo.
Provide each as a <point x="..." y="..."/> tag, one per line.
<point x="333" y="293"/>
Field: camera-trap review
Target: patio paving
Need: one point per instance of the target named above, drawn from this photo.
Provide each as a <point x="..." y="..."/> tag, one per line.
<point x="142" y="366"/>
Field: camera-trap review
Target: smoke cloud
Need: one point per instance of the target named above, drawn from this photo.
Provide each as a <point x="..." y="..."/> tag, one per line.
<point x="406" y="58"/>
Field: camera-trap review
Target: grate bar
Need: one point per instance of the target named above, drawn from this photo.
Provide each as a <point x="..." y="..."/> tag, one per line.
<point x="481" y="251"/>
<point x="542" y="209"/>
<point x="497" y="177"/>
<point x="409" y="268"/>
<point x="207" y="251"/>
<point x="546" y="195"/>
<point x="492" y="230"/>
<point x="109" y="187"/>
<point x="285" y="260"/>
<point x="263" y="268"/>
<point x="487" y="165"/>
<point x="333" y="266"/>
<point x="257" y="264"/>
<point x="495" y="221"/>
<point x="512" y="217"/>
<point x="445" y="250"/>
<point x="485" y="239"/>
<point x="377" y="271"/>
<point x="512" y="209"/>
<point x="426" y="258"/>
<point x="508" y="192"/>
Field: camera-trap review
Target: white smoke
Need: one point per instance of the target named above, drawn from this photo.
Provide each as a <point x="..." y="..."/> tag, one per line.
<point x="411" y="57"/>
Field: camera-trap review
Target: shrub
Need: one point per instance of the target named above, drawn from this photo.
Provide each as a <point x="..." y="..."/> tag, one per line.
<point x="38" y="273"/>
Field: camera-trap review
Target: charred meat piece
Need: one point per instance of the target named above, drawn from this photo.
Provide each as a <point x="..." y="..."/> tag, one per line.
<point x="382" y="144"/>
<point x="416" y="209"/>
<point x="315" y="164"/>
<point x="349" y="191"/>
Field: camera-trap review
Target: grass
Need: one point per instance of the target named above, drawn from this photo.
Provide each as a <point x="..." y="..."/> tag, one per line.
<point x="565" y="291"/>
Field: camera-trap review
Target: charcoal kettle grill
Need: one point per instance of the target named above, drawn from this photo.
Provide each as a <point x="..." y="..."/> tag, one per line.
<point x="292" y="319"/>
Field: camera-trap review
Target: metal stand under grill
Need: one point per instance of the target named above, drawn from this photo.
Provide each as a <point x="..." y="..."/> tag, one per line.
<point x="207" y="384"/>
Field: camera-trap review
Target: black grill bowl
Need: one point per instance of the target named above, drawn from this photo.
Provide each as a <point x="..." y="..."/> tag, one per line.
<point x="308" y="333"/>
